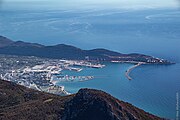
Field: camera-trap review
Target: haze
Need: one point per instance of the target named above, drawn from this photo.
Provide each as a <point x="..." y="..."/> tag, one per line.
<point x="135" y="4"/>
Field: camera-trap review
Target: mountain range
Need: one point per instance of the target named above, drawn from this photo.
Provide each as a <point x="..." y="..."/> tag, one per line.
<point x="21" y="103"/>
<point x="62" y="51"/>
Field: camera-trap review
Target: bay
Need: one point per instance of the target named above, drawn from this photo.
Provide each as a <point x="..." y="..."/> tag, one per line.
<point x="153" y="32"/>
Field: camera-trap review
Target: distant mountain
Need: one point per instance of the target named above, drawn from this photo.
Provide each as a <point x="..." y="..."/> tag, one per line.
<point x="21" y="103"/>
<point x="63" y="51"/>
<point x="5" y="41"/>
<point x="23" y="44"/>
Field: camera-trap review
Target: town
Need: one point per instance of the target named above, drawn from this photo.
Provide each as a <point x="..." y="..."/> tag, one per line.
<point x="42" y="73"/>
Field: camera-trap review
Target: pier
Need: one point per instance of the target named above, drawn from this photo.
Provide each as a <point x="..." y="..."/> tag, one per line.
<point x="68" y="78"/>
<point x="130" y="69"/>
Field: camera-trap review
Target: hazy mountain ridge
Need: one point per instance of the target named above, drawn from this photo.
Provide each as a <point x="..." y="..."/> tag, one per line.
<point x="5" y="41"/>
<point x="18" y="102"/>
<point x="63" y="51"/>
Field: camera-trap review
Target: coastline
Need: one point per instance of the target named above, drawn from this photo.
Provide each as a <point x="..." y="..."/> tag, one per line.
<point x="127" y="73"/>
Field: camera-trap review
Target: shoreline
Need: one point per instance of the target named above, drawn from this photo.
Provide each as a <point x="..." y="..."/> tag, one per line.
<point x="127" y="73"/>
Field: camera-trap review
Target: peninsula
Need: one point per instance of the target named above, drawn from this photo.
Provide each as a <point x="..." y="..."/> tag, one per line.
<point x="68" y="52"/>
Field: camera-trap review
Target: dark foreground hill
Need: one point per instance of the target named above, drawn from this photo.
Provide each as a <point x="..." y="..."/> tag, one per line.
<point x="20" y="103"/>
<point x="63" y="51"/>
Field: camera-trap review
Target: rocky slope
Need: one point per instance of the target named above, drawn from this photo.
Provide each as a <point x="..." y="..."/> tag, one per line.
<point x="90" y="104"/>
<point x="20" y="103"/>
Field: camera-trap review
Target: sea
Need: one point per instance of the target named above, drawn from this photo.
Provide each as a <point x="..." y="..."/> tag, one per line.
<point x="154" y="32"/>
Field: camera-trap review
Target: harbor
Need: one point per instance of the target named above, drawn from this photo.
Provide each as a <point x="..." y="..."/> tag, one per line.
<point x="44" y="74"/>
<point x="67" y="78"/>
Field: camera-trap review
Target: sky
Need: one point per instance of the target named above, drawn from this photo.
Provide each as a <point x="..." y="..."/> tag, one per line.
<point x="135" y="4"/>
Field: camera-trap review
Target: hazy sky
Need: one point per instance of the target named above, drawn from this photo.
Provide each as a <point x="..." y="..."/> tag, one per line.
<point x="96" y="3"/>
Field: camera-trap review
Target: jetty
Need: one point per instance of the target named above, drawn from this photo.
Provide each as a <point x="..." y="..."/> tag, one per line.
<point x="67" y="78"/>
<point x="130" y="69"/>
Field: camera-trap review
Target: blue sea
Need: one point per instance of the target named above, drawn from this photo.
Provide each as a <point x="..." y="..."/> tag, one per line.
<point x="153" y="32"/>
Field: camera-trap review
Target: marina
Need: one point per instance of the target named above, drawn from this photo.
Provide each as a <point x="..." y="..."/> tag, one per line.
<point x="67" y="78"/>
<point x="44" y="74"/>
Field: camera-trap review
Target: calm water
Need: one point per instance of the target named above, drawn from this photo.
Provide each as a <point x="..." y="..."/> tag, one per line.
<point x="152" y="32"/>
<point x="153" y="87"/>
